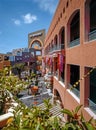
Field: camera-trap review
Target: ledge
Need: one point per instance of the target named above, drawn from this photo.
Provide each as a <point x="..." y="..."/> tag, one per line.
<point x="74" y="96"/>
<point x="92" y="114"/>
<point x="5" y="117"/>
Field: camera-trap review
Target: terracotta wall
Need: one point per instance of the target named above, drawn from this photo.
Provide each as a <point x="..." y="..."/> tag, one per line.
<point x="83" y="55"/>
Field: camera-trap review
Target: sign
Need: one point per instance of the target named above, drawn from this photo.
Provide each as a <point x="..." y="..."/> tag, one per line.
<point x="61" y="60"/>
<point x="35" y="35"/>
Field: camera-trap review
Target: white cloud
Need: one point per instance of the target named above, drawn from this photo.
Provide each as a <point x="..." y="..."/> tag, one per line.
<point x="47" y="5"/>
<point x="29" y="18"/>
<point x="16" y="21"/>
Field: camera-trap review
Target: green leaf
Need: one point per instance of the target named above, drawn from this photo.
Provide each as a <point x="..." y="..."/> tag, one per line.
<point x="89" y="126"/>
<point x="18" y="119"/>
<point x="38" y="126"/>
<point x="77" y="108"/>
<point x="25" y="123"/>
<point x="68" y="112"/>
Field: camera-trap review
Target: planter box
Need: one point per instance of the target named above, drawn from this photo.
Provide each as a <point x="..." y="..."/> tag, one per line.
<point x="4" y="119"/>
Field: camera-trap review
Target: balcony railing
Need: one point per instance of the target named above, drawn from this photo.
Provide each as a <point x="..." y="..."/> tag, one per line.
<point x="74" y="90"/>
<point x="92" y="35"/>
<point x="74" y="43"/>
<point x="57" y="47"/>
<point x="92" y="106"/>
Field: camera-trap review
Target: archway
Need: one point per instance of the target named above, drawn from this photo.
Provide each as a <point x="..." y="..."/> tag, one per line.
<point x="57" y="98"/>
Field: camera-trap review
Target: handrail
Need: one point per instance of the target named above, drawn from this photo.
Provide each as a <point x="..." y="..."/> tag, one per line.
<point x="74" y="42"/>
<point x="92" y="35"/>
<point x="92" y="105"/>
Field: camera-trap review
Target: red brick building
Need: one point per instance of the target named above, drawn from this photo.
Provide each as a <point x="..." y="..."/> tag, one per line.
<point x="70" y="53"/>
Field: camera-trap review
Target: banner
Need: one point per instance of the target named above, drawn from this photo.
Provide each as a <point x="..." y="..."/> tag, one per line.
<point x="47" y="60"/>
<point x="60" y="63"/>
<point x="50" y="61"/>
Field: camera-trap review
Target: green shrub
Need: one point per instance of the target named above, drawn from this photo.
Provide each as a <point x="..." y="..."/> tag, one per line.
<point x="76" y="121"/>
<point x="38" y="119"/>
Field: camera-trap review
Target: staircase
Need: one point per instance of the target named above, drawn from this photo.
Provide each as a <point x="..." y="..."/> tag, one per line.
<point x="55" y="110"/>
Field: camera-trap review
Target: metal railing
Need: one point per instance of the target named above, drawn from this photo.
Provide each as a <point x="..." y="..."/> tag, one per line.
<point x="92" y="35"/>
<point x="74" y="43"/>
<point x="57" y="47"/>
<point x="92" y="105"/>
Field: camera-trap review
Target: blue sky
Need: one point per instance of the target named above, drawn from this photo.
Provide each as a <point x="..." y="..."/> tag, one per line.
<point x="20" y="17"/>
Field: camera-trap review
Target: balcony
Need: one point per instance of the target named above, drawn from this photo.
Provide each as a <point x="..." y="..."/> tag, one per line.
<point x="92" y="35"/>
<point x="57" y="48"/>
<point x="74" y="43"/>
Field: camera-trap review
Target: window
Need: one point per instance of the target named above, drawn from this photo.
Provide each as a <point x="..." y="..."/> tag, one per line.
<point x="64" y="10"/>
<point x="61" y="15"/>
<point x="32" y="53"/>
<point x="74" y="77"/>
<point x="67" y="4"/>
<point x="38" y="53"/>
<point x="93" y="86"/>
<point x="74" y="27"/>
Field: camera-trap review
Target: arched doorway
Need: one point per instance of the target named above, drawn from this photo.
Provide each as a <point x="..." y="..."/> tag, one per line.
<point x="57" y="98"/>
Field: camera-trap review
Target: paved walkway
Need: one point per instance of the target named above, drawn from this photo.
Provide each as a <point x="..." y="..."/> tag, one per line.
<point x="29" y="100"/>
<point x="34" y="100"/>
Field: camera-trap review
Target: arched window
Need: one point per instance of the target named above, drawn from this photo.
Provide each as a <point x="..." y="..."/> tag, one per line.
<point x="56" y="40"/>
<point x="62" y="37"/>
<point x="75" y="27"/>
